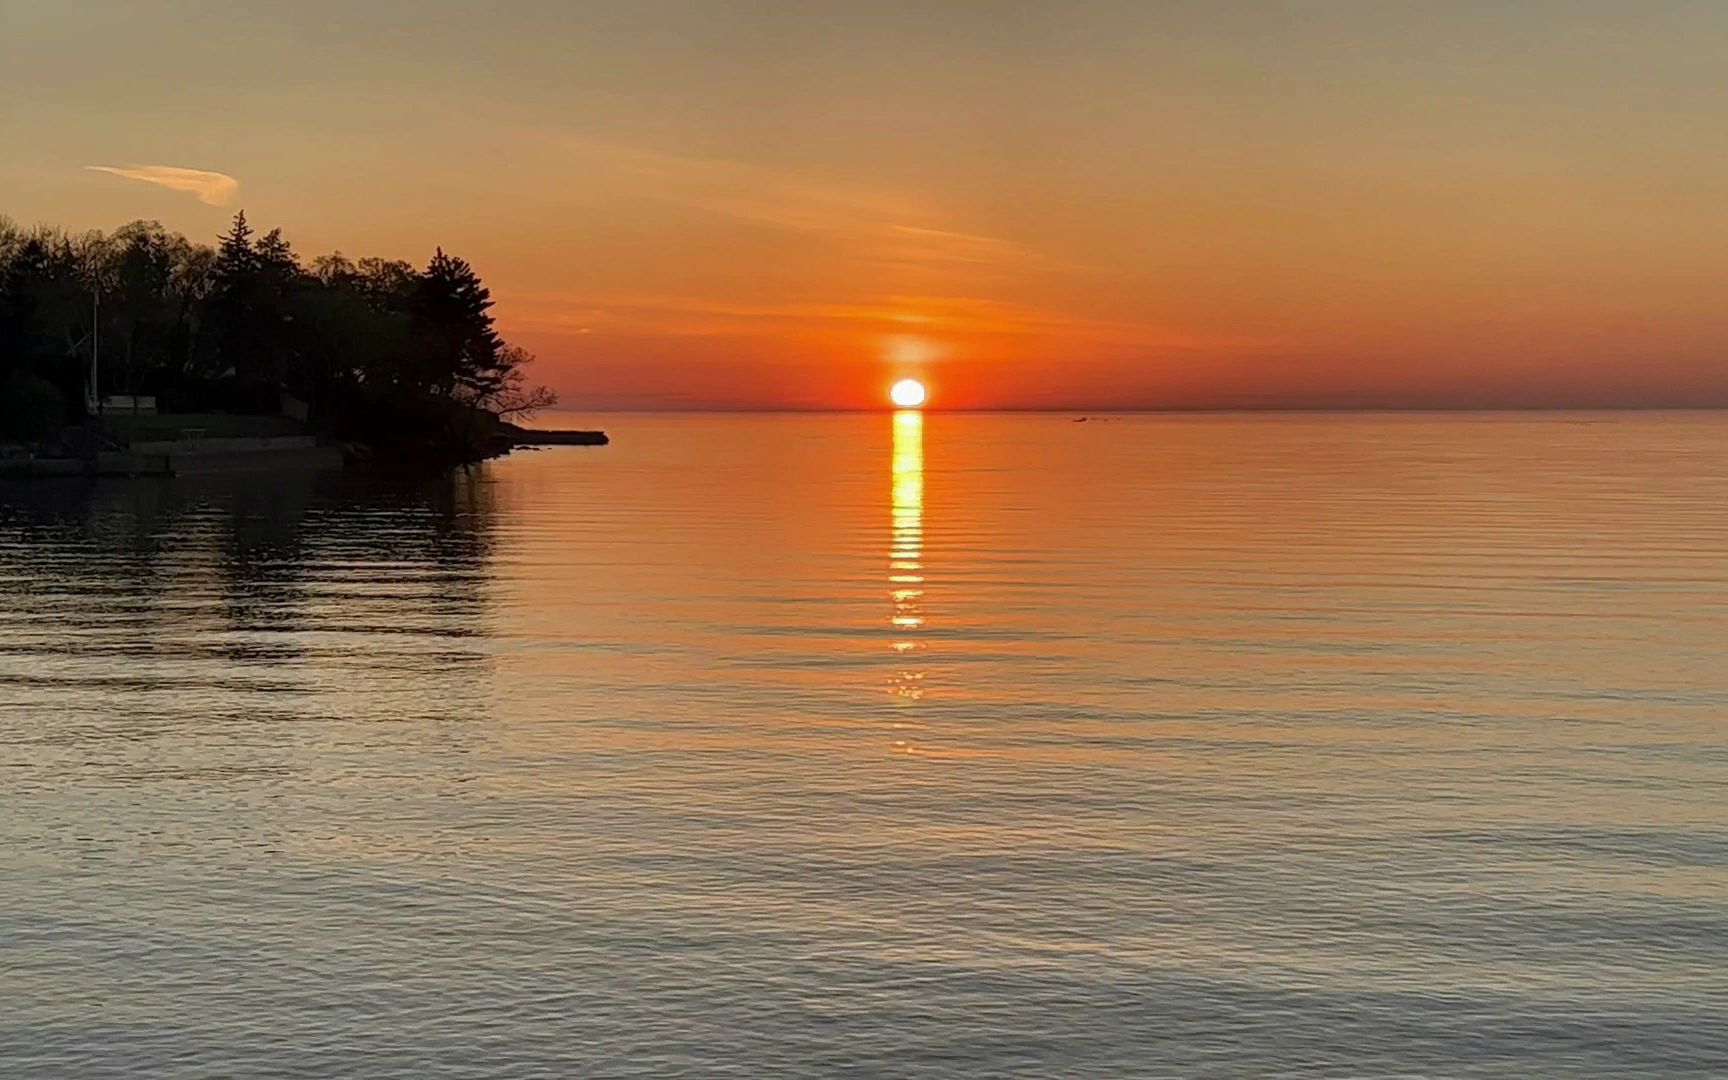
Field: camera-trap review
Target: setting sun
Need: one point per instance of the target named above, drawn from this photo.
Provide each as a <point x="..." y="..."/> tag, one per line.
<point x="907" y="393"/>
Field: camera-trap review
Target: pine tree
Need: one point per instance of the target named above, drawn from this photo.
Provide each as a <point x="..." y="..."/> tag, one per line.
<point x="275" y="258"/>
<point x="239" y="305"/>
<point x="236" y="255"/>
<point x="452" y="314"/>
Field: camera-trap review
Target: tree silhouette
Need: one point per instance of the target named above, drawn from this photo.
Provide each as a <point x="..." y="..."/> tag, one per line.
<point x="452" y="314"/>
<point x="233" y="326"/>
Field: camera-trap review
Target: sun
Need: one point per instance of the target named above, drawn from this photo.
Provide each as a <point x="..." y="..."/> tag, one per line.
<point x="907" y="393"/>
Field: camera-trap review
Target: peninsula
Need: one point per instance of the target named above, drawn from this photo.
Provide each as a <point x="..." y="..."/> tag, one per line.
<point x="140" y="350"/>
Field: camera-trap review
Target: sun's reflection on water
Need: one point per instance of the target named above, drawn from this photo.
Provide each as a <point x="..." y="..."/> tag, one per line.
<point x="906" y="552"/>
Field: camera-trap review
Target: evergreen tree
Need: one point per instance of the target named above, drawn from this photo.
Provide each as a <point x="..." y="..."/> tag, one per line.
<point x="249" y="306"/>
<point x="275" y="259"/>
<point x="235" y="256"/>
<point x="453" y="321"/>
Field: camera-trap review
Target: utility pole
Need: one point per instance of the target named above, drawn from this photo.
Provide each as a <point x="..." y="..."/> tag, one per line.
<point x="95" y="347"/>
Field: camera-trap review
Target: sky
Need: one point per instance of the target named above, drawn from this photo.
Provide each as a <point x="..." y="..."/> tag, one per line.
<point x="1100" y="205"/>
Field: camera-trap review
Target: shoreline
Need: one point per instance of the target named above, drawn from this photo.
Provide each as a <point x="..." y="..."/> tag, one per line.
<point x="521" y="436"/>
<point x="191" y="452"/>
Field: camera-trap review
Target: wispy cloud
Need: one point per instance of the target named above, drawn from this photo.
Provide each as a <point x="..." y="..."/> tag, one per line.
<point x="212" y="188"/>
<point x="743" y="191"/>
<point x="887" y="226"/>
<point x="942" y="316"/>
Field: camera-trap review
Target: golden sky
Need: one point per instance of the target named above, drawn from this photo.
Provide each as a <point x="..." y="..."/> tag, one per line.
<point x="708" y="203"/>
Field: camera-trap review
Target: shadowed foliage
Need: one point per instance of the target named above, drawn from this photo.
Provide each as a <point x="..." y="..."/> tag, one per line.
<point x="383" y="352"/>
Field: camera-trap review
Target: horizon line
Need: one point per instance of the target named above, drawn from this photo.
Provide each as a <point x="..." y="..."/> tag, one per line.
<point x="1142" y="410"/>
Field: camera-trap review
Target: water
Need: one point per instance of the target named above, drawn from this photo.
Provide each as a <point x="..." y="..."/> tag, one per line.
<point x="969" y="746"/>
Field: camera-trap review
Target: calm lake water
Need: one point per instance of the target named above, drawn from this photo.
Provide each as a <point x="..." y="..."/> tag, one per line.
<point x="882" y="746"/>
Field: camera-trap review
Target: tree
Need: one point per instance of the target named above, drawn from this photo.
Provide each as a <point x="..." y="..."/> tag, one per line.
<point x="139" y="310"/>
<point x="252" y="306"/>
<point x="275" y="257"/>
<point x="11" y="237"/>
<point x="387" y="353"/>
<point x="191" y="282"/>
<point x="235" y="255"/>
<point x="452" y="313"/>
<point x="389" y="284"/>
<point x="45" y="314"/>
<point x="514" y="397"/>
<point x="278" y="292"/>
<point x="233" y="297"/>
<point x="346" y="341"/>
<point x="333" y="270"/>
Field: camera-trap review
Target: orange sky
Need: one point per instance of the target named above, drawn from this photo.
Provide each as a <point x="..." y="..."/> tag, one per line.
<point x="703" y="203"/>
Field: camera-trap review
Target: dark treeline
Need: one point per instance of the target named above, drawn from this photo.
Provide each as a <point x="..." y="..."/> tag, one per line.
<point x="403" y="358"/>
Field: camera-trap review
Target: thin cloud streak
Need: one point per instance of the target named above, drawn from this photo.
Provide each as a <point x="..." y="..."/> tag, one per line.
<point x="968" y="316"/>
<point x="211" y="188"/>
<point x="885" y="225"/>
<point x="745" y="192"/>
